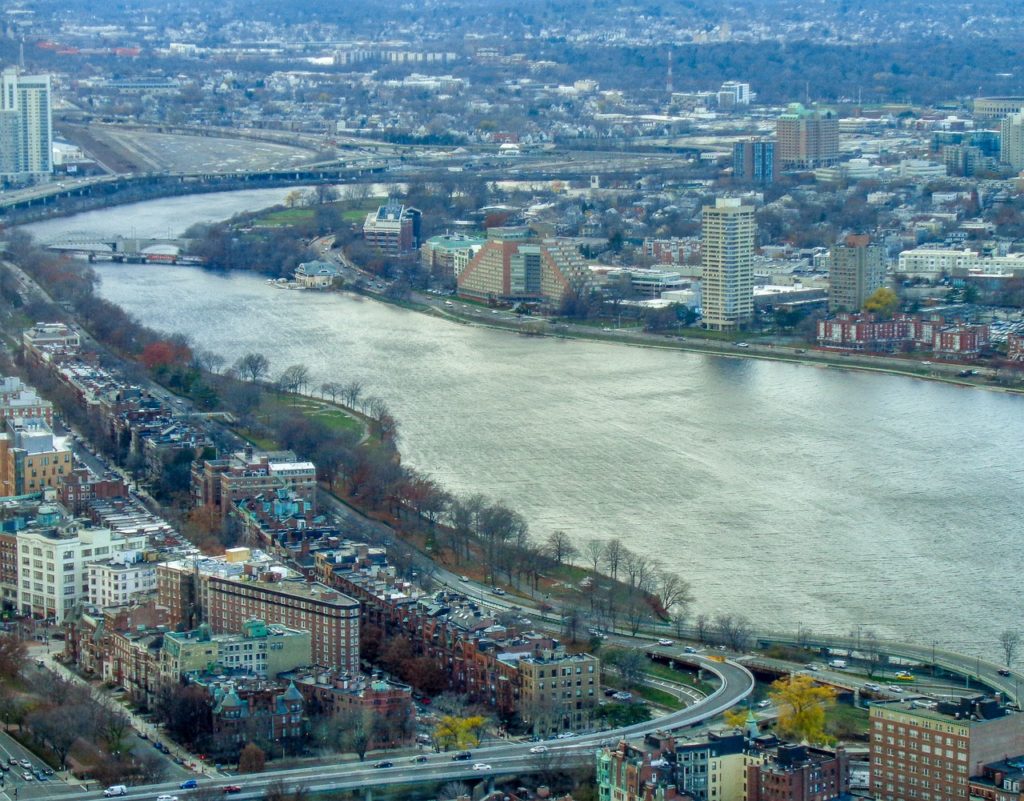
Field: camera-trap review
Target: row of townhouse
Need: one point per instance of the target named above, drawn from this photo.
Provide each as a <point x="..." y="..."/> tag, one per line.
<point x="866" y="332"/>
<point x="529" y="679"/>
<point x="729" y="765"/>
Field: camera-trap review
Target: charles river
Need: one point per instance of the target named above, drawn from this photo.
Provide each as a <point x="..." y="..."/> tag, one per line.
<point x="795" y="495"/>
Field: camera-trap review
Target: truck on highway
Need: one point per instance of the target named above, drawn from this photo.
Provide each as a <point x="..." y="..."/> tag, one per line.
<point x="838" y="664"/>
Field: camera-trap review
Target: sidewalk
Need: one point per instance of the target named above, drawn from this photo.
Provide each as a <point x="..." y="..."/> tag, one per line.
<point x="141" y="726"/>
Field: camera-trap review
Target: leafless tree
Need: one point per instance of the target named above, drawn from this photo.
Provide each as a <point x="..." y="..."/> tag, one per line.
<point x="674" y="593"/>
<point x="614" y="551"/>
<point x="636" y="613"/>
<point x="733" y="631"/>
<point x="253" y="366"/>
<point x="631" y="664"/>
<point x="351" y="392"/>
<point x="332" y="389"/>
<point x="703" y="626"/>
<point x="560" y="547"/>
<point x="571" y="620"/>
<point x="593" y="550"/>
<point x="294" y="378"/>
<point x="1009" y="641"/>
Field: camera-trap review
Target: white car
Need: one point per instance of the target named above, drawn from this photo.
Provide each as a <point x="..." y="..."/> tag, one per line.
<point x="664" y="641"/>
<point x="167" y="798"/>
<point x="481" y="766"/>
<point x="539" y="749"/>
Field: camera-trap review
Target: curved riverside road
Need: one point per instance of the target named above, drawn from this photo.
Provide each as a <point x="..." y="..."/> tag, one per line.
<point x="736" y="684"/>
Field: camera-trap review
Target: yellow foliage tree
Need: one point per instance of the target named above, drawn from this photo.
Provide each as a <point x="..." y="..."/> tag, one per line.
<point x="453" y="732"/>
<point x="883" y="301"/>
<point x="736" y="718"/>
<point x="802" y="704"/>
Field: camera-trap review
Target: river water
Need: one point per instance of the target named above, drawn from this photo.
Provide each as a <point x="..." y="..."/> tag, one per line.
<point x="795" y="495"/>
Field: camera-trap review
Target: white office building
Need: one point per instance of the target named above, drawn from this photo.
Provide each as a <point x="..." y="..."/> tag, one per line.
<point x="53" y="565"/>
<point x="26" y="126"/>
<point x="119" y="580"/>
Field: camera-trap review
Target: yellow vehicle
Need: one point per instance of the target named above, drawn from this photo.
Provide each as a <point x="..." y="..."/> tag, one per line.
<point x="904" y="676"/>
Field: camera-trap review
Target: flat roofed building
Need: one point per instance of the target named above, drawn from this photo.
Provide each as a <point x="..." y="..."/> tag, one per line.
<point x="26" y="126"/>
<point x="929" y="750"/>
<point x="727" y="264"/>
<point x="857" y="269"/>
<point x="32" y="457"/>
<point x="53" y="565"/>
<point x="260" y="649"/>
<point x="806" y="138"/>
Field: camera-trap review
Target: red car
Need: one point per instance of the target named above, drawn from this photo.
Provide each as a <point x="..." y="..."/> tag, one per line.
<point x="232" y="788"/>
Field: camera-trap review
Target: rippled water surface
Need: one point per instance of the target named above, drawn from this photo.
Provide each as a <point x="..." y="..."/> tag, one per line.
<point x="796" y="495"/>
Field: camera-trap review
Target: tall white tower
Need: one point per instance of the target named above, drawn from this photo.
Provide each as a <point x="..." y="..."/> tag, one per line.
<point x="26" y="125"/>
<point x="727" y="265"/>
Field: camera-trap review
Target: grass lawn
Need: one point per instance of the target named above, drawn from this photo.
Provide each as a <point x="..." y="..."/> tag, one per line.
<point x="650" y="694"/>
<point x="284" y="217"/>
<point x="358" y="212"/>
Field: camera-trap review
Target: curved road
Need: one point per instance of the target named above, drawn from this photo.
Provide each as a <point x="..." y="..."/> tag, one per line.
<point x="736" y="684"/>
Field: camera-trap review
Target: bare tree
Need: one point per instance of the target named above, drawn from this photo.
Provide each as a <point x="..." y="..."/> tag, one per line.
<point x="571" y="620"/>
<point x="673" y="592"/>
<point x="351" y="392"/>
<point x="1009" y="641"/>
<point x="703" y="626"/>
<point x="332" y="389"/>
<point x="253" y="366"/>
<point x="636" y="613"/>
<point x="593" y="550"/>
<point x="631" y="664"/>
<point x="294" y="378"/>
<point x="614" y="552"/>
<point x="560" y="548"/>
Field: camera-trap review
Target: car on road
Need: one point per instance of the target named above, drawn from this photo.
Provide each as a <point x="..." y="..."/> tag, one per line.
<point x="462" y="755"/>
<point x="188" y="784"/>
<point x="41" y="777"/>
<point x="894" y="688"/>
<point x="689" y="649"/>
<point x="481" y="766"/>
<point x="764" y="704"/>
<point x="384" y="764"/>
<point x="498" y="591"/>
<point x="665" y="641"/>
<point x="1004" y="671"/>
<point x="25" y="763"/>
<point x="167" y="798"/>
<point x="233" y="788"/>
<point x="903" y="675"/>
<point x="27" y="776"/>
<point x="539" y="749"/>
<point x="742" y="345"/>
<point x="420" y="758"/>
<point x="463" y="578"/>
<point x="565" y="735"/>
<point x="872" y="686"/>
<point x="115" y="789"/>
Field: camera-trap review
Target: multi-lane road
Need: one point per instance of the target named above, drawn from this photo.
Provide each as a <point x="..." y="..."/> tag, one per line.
<point x="736" y="683"/>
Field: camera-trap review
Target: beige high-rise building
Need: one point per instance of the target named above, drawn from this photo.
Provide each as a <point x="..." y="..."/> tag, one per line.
<point x="857" y="270"/>
<point x="1011" y="141"/>
<point x="727" y="265"/>
<point x="806" y="138"/>
<point x="26" y="127"/>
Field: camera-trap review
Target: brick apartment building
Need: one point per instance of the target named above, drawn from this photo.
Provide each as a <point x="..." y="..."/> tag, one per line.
<point x="865" y="332"/>
<point x="227" y="594"/>
<point x="929" y="753"/>
<point x="219" y="483"/>
<point x="799" y="773"/>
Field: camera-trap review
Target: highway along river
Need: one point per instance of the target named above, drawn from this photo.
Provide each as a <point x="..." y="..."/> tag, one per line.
<point x="794" y="495"/>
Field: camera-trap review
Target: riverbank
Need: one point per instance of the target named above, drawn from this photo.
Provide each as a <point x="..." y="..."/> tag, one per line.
<point x="807" y="355"/>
